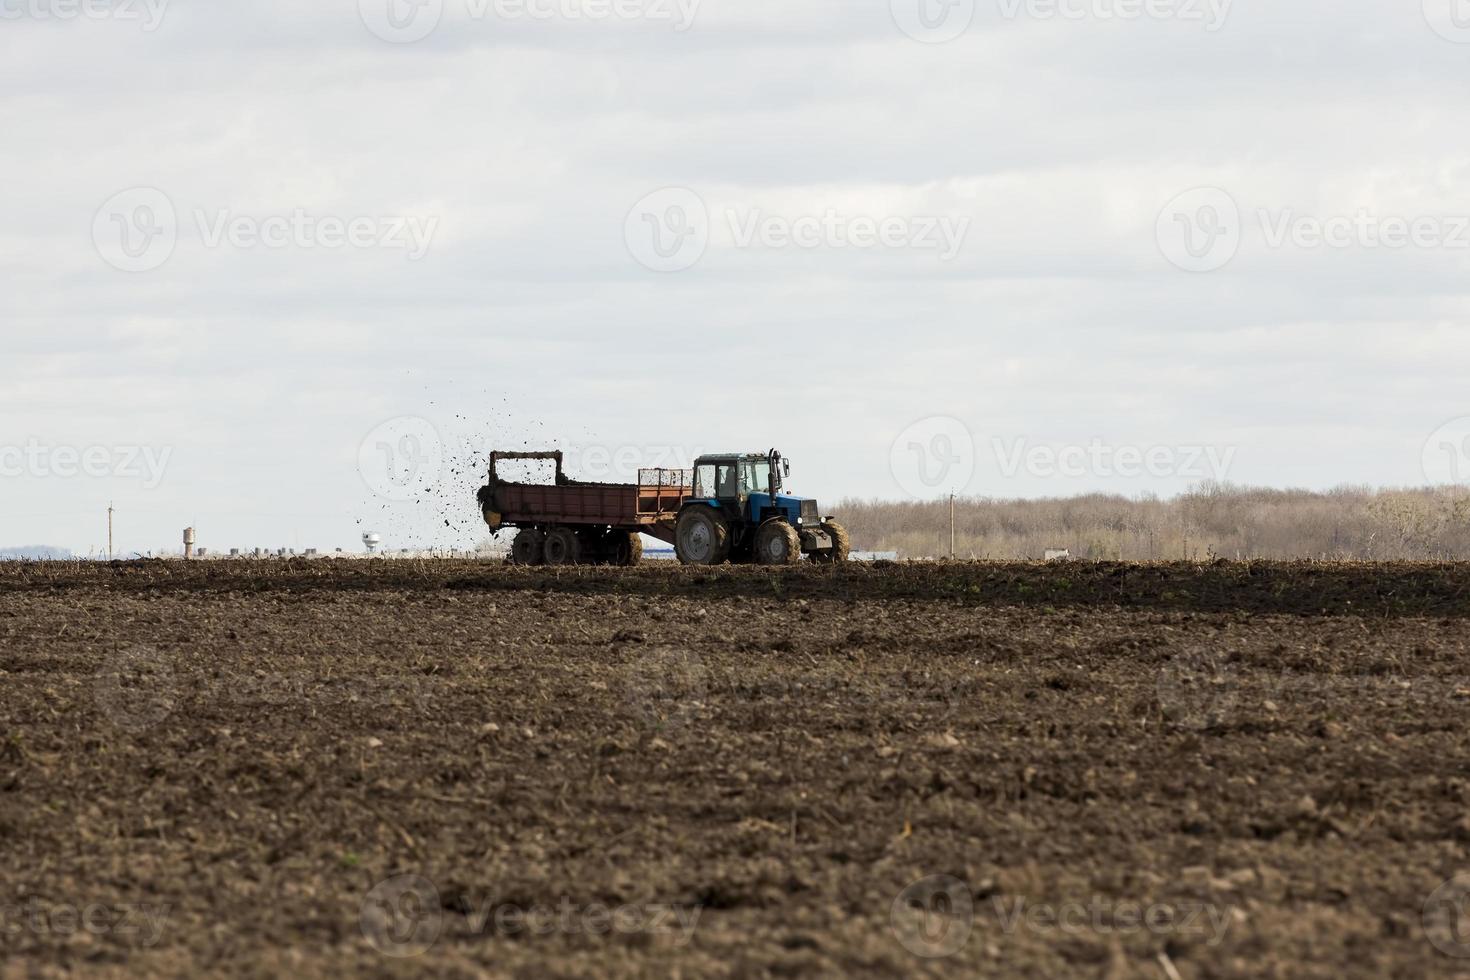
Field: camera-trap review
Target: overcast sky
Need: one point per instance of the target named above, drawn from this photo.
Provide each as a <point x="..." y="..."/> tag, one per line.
<point x="285" y="271"/>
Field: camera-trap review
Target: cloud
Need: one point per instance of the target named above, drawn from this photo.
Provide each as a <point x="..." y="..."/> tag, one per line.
<point x="529" y="142"/>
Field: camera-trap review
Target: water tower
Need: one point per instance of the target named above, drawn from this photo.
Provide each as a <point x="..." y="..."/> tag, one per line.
<point x="371" y="542"/>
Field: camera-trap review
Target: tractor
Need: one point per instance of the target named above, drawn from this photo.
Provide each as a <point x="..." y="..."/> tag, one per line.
<point x="738" y="513"/>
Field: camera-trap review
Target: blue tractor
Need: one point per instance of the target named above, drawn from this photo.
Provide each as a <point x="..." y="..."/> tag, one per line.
<point x="738" y="513"/>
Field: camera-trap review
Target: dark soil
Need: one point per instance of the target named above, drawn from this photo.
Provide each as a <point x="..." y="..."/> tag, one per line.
<point x="451" y="768"/>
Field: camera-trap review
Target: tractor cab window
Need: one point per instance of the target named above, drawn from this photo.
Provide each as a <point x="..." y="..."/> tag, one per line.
<point x="755" y="477"/>
<point x="717" y="480"/>
<point x="704" y="481"/>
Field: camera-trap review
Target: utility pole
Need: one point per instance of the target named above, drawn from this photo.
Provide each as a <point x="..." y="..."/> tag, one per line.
<point x="109" y="532"/>
<point x="951" y="526"/>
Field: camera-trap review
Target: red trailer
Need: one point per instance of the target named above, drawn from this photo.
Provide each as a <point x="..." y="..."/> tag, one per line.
<point x="569" y="522"/>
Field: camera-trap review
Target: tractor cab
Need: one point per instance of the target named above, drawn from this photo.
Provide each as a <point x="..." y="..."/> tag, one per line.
<point x="738" y="512"/>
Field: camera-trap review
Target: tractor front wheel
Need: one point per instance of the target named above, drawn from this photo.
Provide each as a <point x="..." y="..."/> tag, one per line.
<point x="777" y="543"/>
<point x="841" y="545"/>
<point x="702" y="537"/>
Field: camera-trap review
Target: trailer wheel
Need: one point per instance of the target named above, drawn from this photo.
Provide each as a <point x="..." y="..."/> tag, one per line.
<point x="777" y="543"/>
<point x="702" y="537"/>
<point x="526" y="549"/>
<point x="624" y="548"/>
<point x="563" y="547"/>
<point x="841" y="545"/>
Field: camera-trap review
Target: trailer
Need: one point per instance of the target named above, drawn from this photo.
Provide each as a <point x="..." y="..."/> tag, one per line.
<point x="729" y="507"/>
<point x="571" y="522"/>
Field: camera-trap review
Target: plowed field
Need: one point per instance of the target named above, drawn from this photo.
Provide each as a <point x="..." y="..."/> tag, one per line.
<point x="396" y="768"/>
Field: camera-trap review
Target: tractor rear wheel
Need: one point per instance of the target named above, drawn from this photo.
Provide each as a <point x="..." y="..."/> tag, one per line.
<point x="777" y="543"/>
<point x="526" y="549"/>
<point x="841" y="545"/>
<point x="702" y="537"/>
<point x="563" y="547"/>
